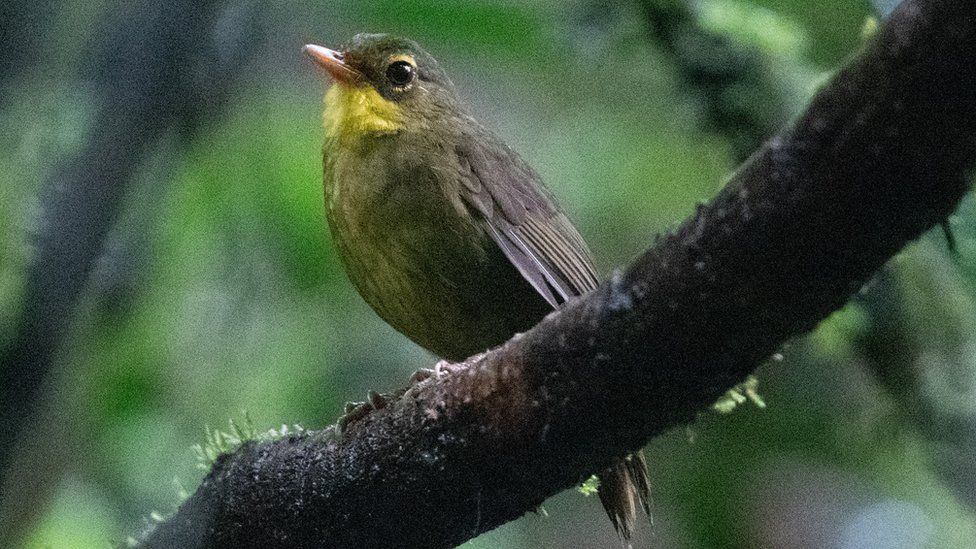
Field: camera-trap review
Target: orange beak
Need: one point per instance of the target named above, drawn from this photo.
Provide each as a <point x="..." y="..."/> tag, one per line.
<point x="332" y="62"/>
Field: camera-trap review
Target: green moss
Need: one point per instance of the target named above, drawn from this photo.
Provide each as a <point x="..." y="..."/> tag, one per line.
<point x="590" y="486"/>
<point x="218" y="442"/>
<point x="740" y="394"/>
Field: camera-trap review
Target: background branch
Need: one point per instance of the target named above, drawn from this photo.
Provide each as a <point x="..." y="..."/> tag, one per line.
<point x="881" y="155"/>
<point x="157" y="70"/>
<point x="738" y="96"/>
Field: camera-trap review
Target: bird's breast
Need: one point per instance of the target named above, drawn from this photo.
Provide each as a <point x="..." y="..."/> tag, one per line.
<point x="414" y="253"/>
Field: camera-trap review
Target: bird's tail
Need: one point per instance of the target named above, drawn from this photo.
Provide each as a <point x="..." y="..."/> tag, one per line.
<point x="623" y="488"/>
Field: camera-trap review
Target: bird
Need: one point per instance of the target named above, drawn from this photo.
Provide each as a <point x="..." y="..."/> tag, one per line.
<point x="444" y="230"/>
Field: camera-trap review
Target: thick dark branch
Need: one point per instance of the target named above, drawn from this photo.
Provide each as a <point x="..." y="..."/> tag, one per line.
<point x="880" y="156"/>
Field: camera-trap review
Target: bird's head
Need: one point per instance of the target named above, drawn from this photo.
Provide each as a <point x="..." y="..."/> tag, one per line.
<point x="382" y="85"/>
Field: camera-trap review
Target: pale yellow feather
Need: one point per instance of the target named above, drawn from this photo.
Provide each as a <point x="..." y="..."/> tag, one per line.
<point x="353" y="110"/>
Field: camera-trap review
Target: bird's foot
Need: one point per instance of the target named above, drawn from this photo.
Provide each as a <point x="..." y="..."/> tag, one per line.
<point x="421" y="375"/>
<point x="444" y="367"/>
<point x="356" y="411"/>
<point x="440" y="369"/>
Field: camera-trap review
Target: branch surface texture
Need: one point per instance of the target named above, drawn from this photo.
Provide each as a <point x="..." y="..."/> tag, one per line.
<point x="882" y="153"/>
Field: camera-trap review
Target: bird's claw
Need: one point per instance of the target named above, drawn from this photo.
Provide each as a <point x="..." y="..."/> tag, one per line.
<point x="440" y="369"/>
<point x="445" y="368"/>
<point x="421" y="375"/>
<point x="355" y="411"/>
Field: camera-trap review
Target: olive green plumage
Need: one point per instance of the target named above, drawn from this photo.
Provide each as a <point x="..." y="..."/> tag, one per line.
<point x="444" y="230"/>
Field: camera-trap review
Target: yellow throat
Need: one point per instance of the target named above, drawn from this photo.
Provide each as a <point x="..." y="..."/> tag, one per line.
<point x="354" y="110"/>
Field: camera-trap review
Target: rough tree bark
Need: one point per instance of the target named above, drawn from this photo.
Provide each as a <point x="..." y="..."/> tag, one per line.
<point x="882" y="154"/>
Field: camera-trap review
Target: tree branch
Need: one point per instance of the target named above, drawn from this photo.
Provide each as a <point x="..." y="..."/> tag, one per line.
<point x="880" y="155"/>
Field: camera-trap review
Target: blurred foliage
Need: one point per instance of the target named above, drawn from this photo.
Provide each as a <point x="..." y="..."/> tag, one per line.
<point x="220" y="293"/>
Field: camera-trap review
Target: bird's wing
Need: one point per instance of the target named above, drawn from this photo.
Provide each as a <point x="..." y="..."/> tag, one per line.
<point x="523" y="219"/>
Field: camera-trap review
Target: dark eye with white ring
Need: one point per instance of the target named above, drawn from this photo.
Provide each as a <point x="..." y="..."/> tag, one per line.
<point x="400" y="73"/>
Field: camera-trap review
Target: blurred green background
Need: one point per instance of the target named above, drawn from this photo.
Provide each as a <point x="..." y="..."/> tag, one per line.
<point x="165" y="264"/>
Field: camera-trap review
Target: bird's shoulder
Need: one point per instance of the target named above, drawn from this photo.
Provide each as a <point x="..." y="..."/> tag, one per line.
<point x="522" y="216"/>
<point x="497" y="180"/>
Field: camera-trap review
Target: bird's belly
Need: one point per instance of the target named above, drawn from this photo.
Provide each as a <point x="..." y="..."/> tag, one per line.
<point x="455" y="295"/>
<point x="420" y="260"/>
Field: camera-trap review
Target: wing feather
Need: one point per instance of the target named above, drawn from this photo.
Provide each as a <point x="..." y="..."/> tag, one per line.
<point x="523" y="219"/>
<point x="527" y="265"/>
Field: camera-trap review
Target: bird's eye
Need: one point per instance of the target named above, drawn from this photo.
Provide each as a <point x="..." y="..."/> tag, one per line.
<point x="400" y="73"/>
